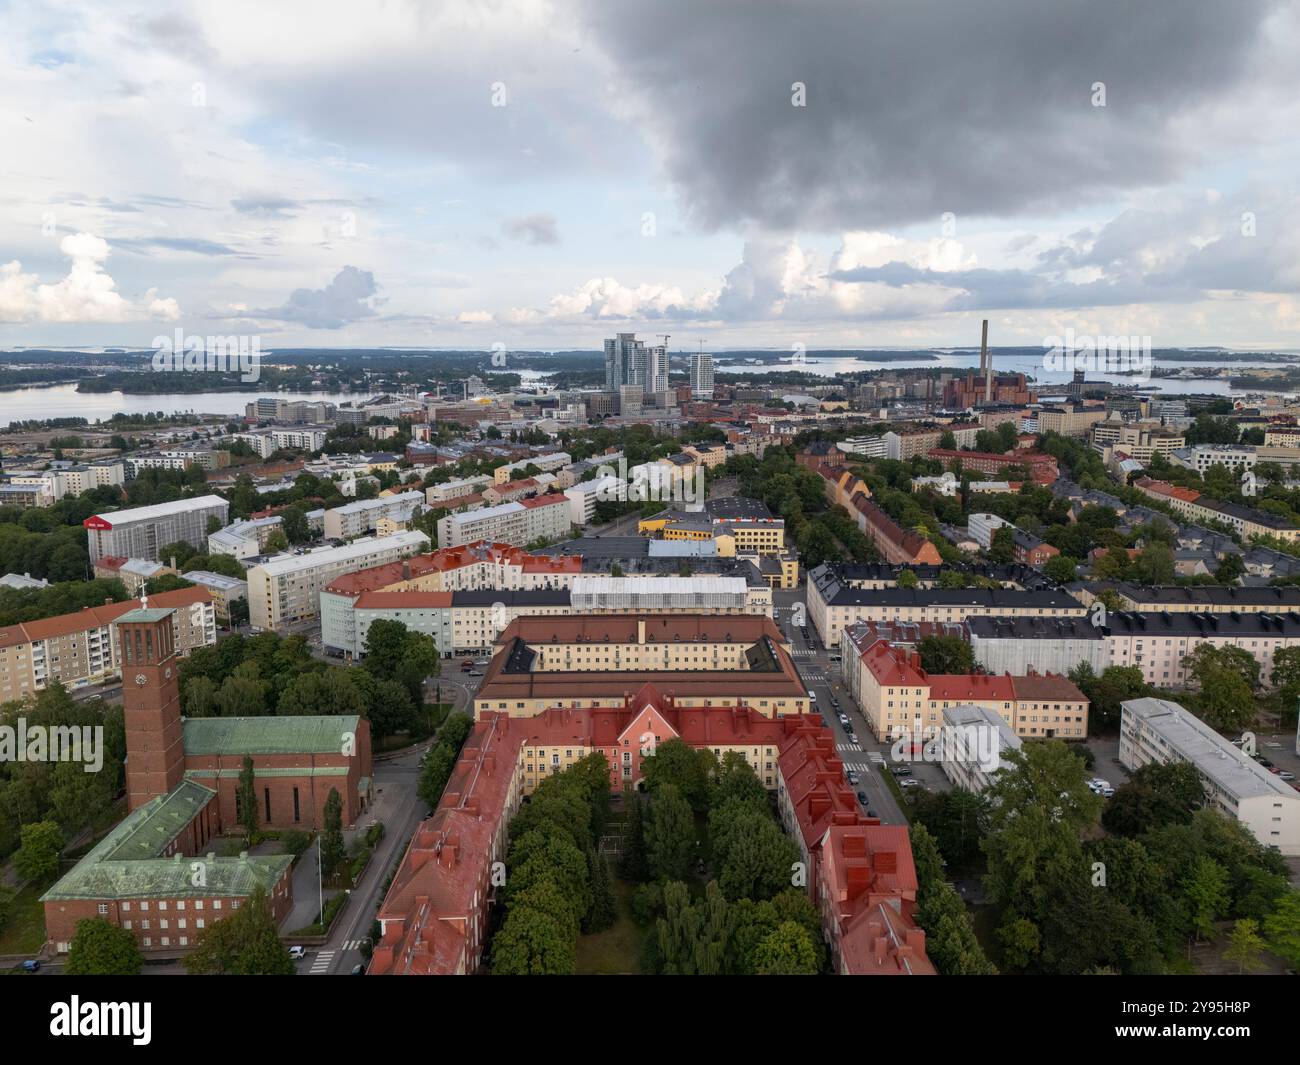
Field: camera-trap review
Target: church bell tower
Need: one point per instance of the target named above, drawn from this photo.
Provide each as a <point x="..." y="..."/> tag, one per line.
<point x="151" y="703"/>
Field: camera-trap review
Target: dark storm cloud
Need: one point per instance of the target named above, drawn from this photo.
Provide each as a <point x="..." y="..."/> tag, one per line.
<point x="915" y="109"/>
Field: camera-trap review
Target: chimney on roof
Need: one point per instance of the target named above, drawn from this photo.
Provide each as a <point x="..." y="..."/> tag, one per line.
<point x="886" y="861"/>
<point x="857" y="878"/>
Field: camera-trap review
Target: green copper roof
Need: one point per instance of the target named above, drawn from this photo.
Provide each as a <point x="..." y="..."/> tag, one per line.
<point x="153" y="613"/>
<point x="164" y="817"/>
<point x="124" y="864"/>
<point x="268" y="735"/>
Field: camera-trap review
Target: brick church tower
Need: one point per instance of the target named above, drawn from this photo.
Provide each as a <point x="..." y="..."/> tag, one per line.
<point x="151" y="704"/>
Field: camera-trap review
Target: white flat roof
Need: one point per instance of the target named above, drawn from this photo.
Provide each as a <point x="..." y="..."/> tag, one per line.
<point x="486" y="513"/>
<point x="160" y="510"/>
<point x="362" y="505"/>
<point x="1194" y="741"/>
<point x="595" y="584"/>
<point x="282" y="564"/>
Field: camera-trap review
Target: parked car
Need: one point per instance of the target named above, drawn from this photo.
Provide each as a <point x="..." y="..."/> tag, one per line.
<point x="297" y="953"/>
<point x="358" y="970"/>
<point x="812" y="696"/>
<point x="1286" y="774"/>
<point x="31" y="965"/>
<point x="862" y="797"/>
<point x="901" y="771"/>
<point x="852" y="737"/>
<point x="1264" y="762"/>
<point x="909" y="783"/>
<point x="853" y="777"/>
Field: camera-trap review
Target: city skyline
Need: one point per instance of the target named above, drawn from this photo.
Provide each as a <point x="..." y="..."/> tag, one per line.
<point x="546" y="175"/>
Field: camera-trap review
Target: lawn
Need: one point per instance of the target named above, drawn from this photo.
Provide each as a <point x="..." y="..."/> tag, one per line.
<point x="617" y="950"/>
<point x="24" y="933"/>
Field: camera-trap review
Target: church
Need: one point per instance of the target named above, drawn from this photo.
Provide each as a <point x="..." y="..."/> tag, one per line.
<point x="157" y="872"/>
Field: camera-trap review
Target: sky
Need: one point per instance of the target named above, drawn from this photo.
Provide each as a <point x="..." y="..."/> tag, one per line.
<point x="774" y="173"/>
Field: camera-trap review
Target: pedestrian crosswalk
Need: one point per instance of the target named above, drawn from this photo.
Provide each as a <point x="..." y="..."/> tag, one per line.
<point x="321" y="964"/>
<point x="354" y="944"/>
<point x="848" y="747"/>
<point x="860" y="767"/>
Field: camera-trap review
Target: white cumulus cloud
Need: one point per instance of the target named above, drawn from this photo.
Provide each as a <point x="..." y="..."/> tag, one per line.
<point x="87" y="294"/>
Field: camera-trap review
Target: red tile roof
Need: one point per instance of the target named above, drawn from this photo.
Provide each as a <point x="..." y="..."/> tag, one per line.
<point x="96" y="617"/>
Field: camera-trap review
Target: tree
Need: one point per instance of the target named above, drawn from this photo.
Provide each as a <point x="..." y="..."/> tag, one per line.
<point x="680" y="765"/>
<point x="1230" y="569"/>
<point x="1154" y="566"/>
<point x="296" y="528"/>
<point x="946" y="655"/>
<point x="532" y="943"/>
<point x="1282" y="927"/>
<point x="245" y="943"/>
<point x="331" y="845"/>
<point x="1226" y="677"/>
<point x="246" y="798"/>
<point x="1157" y="794"/>
<point x="1107" y="692"/>
<point x="947" y="440"/>
<point x="1205" y="889"/>
<point x="604" y="909"/>
<point x="692" y="937"/>
<point x="670" y="834"/>
<point x="38" y="857"/>
<point x="1245" y="945"/>
<point x="950" y="935"/>
<point x="786" y="951"/>
<point x="102" y="949"/>
<point x="1061" y="569"/>
<point x="907" y="579"/>
<point x="277" y="541"/>
<point x="753" y="856"/>
<point x="1002" y="548"/>
<point x="632" y="863"/>
<point x="1038" y="806"/>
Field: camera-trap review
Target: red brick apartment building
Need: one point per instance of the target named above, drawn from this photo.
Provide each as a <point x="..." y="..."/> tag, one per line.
<point x="1042" y="468"/>
<point x="860" y="873"/>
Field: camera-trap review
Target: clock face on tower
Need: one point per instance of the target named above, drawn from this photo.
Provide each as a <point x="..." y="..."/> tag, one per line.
<point x="141" y="680"/>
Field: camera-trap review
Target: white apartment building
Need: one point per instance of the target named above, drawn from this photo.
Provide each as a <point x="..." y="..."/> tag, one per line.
<point x="874" y="447"/>
<point x="545" y="517"/>
<point x="363" y="516"/>
<point x="584" y="497"/>
<point x="243" y="539"/>
<point x="973" y="745"/>
<point x="1156" y="730"/>
<point x="140" y="531"/>
<point x="464" y="486"/>
<point x="513" y="471"/>
<point x="286" y="589"/>
<point x="647" y="594"/>
<point x="981" y="528"/>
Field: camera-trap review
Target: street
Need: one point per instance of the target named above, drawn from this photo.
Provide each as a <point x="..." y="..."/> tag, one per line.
<point x="823" y="678"/>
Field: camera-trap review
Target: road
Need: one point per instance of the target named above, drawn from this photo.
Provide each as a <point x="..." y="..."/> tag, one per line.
<point x="822" y="677"/>
<point x="400" y="809"/>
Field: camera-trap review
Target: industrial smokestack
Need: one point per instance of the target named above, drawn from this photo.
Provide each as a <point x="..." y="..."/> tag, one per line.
<point x="986" y="362"/>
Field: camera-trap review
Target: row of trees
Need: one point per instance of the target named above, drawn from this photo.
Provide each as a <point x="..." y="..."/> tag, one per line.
<point x="558" y="883"/>
<point x="269" y="674"/>
<point x="753" y="915"/>
<point x="1070" y="901"/>
<point x="61" y="792"/>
